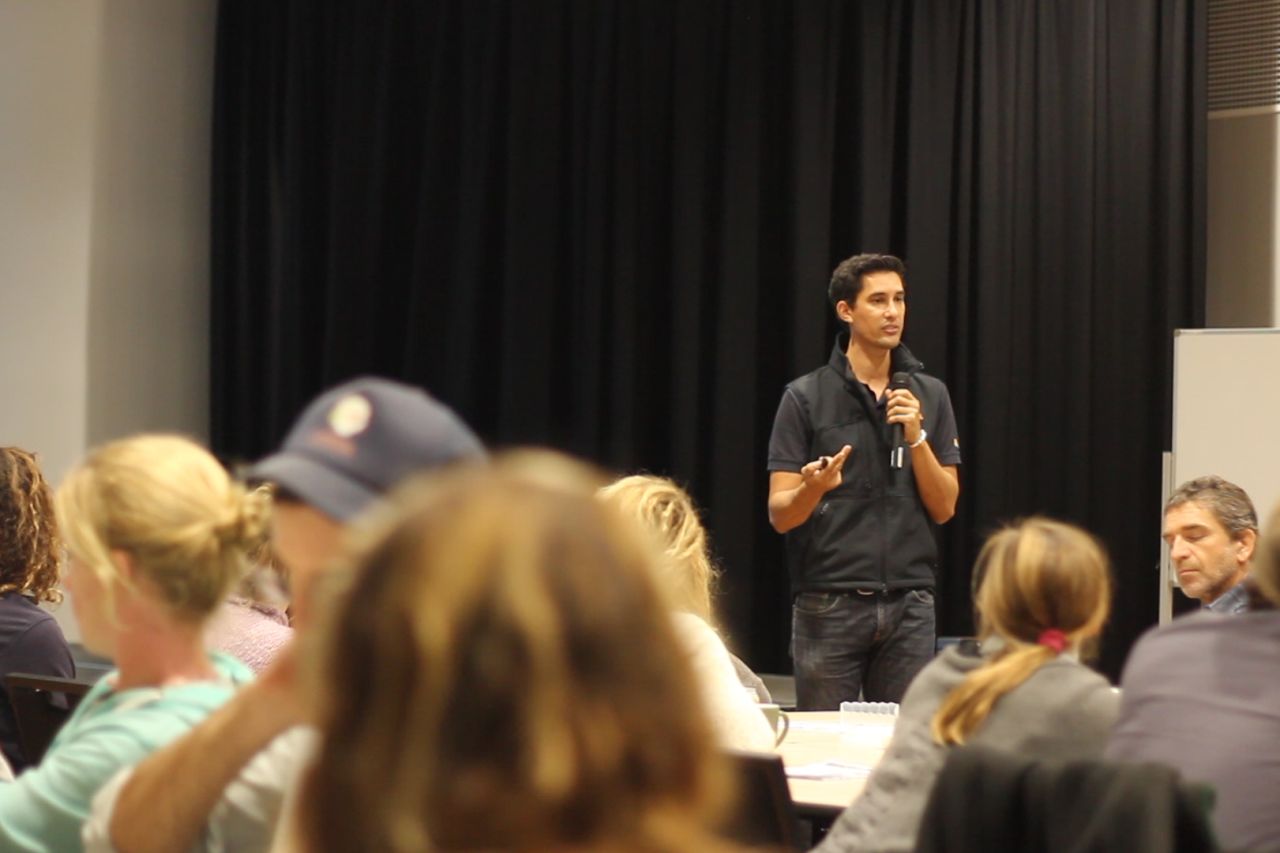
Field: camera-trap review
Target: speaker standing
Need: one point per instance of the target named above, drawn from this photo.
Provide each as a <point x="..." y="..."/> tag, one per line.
<point x="859" y="513"/>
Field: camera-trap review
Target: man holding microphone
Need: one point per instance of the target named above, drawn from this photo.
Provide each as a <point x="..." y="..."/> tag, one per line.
<point x="863" y="463"/>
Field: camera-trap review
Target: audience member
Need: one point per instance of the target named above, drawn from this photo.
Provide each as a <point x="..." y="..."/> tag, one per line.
<point x="30" y="562"/>
<point x="1203" y="695"/>
<point x="530" y="692"/>
<point x="686" y="573"/>
<point x="155" y="532"/>
<point x="222" y="786"/>
<point x="1211" y="529"/>
<point x="252" y="625"/>
<point x="1044" y="589"/>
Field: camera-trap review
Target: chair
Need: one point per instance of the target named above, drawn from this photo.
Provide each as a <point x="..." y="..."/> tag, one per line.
<point x="765" y="815"/>
<point x="942" y="643"/>
<point x="41" y="704"/>
<point x="986" y="799"/>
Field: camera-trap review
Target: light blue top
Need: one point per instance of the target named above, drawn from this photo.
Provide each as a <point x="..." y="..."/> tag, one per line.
<point x="44" y="807"/>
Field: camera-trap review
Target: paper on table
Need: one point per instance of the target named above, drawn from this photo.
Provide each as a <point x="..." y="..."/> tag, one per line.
<point x="867" y="735"/>
<point x="831" y="769"/>
<point x="798" y="725"/>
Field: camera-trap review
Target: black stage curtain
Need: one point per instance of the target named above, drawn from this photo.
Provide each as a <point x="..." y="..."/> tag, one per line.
<point x="607" y="226"/>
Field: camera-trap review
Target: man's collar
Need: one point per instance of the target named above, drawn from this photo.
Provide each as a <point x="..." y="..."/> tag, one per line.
<point x="901" y="360"/>
<point x="1234" y="600"/>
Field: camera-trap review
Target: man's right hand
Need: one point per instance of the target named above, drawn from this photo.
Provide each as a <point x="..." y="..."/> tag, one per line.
<point x="826" y="472"/>
<point x="793" y="495"/>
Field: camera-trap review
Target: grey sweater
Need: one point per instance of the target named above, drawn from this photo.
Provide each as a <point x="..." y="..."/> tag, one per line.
<point x="1063" y="711"/>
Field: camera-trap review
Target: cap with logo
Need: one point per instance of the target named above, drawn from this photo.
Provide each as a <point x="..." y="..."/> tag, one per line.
<point x="357" y="441"/>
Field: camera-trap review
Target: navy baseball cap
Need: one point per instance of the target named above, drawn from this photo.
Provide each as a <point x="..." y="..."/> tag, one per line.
<point x="358" y="441"/>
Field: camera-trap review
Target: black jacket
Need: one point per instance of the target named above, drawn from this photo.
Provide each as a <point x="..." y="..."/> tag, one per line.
<point x="871" y="532"/>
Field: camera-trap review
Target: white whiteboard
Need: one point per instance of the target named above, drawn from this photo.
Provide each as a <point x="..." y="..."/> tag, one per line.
<point x="1226" y="405"/>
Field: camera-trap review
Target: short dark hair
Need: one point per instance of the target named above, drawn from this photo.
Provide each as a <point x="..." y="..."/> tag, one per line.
<point x="846" y="281"/>
<point x="1228" y="502"/>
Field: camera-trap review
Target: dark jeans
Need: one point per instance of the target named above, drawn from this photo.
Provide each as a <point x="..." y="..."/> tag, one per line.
<point x="846" y="643"/>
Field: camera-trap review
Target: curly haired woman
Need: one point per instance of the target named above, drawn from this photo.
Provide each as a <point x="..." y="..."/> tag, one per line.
<point x="30" y="558"/>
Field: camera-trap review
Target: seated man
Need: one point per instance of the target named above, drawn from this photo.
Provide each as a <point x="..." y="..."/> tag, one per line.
<point x="1203" y="695"/>
<point x="1211" y="529"/>
<point x="222" y="787"/>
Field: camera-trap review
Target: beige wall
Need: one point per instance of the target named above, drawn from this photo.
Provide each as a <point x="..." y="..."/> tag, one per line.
<point x="1243" y="219"/>
<point x="148" y="335"/>
<point x="49" y="57"/>
<point x="104" y="195"/>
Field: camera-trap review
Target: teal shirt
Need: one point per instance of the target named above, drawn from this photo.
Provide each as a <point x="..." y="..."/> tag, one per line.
<point x="44" y="808"/>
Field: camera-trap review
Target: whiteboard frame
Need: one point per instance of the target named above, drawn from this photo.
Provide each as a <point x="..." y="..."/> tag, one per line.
<point x="1236" y="437"/>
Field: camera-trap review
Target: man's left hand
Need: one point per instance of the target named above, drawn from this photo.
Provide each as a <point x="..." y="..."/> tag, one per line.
<point x="903" y="408"/>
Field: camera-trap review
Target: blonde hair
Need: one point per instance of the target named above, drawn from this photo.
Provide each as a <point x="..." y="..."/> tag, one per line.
<point x="504" y="675"/>
<point x="668" y="512"/>
<point x="30" y="549"/>
<point x="1265" y="569"/>
<point x="168" y="504"/>
<point x="1034" y="576"/>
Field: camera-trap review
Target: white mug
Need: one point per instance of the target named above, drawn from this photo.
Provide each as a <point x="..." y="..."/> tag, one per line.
<point x="773" y="714"/>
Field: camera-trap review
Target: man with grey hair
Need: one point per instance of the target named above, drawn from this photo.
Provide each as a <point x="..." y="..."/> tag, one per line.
<point x="1202" y="694"/>
<point x="1212" y="529"/>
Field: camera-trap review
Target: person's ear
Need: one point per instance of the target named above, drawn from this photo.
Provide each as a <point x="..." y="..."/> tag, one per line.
<point x="1245" y="545"/>
<point x="844" y="311"/>
<point x="126" y="568"/>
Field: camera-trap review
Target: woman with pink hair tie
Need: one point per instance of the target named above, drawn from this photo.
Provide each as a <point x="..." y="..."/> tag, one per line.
<point x="1043" y="592"/>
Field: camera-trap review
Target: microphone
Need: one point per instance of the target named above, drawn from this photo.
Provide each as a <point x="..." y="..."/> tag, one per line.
<point x="899" y="381"/>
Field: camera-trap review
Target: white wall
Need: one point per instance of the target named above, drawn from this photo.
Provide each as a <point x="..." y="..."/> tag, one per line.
<point x="49" y="58"/>
<point x="104" y="196"/>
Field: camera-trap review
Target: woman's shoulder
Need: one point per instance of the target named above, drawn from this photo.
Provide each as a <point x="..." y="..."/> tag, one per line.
<point x="941" y="674"/>
<point x="150" y="716"/>
<point x="695" y="632"/>
<point x="1067" y="674"/>
<point x="1063" y="694"/>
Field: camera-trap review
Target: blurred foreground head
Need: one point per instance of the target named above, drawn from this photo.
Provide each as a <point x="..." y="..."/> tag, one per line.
<point x="1267" y="571"/>
<point x="500" y="672"/>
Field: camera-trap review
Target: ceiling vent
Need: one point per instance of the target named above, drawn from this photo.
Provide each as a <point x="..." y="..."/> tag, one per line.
<point x="1244" y="55"/>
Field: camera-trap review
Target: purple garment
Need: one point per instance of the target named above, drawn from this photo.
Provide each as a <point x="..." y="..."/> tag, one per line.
<point x="250" y="631"/>
<point x="1202" y="694"/>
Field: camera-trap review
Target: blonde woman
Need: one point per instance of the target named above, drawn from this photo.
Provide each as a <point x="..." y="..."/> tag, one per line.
<point x="528" y="693"/>
<point x="1043" y="591"/>
<point x="155" y="534"/>
<point x="30" y="563"/>
<point x="687" y="574"/>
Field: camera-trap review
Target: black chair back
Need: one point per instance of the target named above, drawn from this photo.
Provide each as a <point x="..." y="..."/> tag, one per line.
<point x="987" y="799"/>
<point x="765" y="815"/>
<point x="41" y="704"/>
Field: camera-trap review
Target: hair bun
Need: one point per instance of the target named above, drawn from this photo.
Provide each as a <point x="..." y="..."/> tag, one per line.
<point x="246" y="523"/>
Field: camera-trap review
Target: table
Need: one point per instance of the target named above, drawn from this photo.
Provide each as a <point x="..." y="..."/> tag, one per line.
<point x="818" y="736"/>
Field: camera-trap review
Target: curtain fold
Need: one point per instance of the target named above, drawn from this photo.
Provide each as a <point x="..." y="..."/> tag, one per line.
<point x="608" y="226"/>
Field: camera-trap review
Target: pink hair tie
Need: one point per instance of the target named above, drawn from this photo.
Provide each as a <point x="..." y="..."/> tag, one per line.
<point x="1053" y="638"/>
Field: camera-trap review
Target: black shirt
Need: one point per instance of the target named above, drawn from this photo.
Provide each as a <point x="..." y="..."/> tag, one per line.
<point x="30" y="641"/>
<point x="871" y="532"/>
